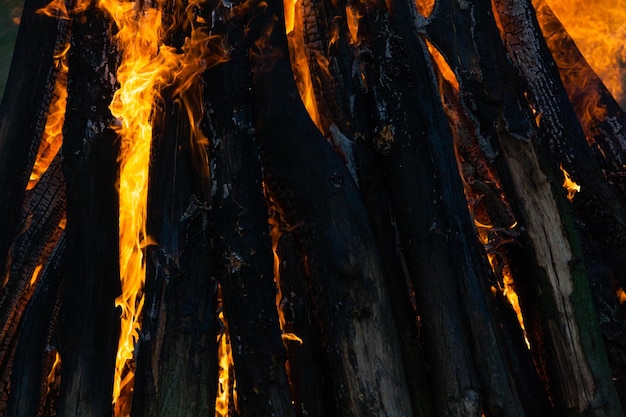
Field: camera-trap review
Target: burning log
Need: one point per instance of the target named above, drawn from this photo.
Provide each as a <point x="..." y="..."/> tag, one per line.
<point x="345" y="270"/>
<point x="23" y="112"/>
<point x="89" y="321"/>
<point x="383" y="232"/>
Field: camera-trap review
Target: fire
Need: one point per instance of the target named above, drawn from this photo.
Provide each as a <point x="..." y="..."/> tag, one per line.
<point x="571" y="187"/>
<point x="147" y="65"/>
<point x="294" y="28"/>
<point x="425" y="7"/>
<point x="352" y="18"/>
<point x="227" y="386"/>
<point x="600" y="36"/>
<point x="54" y="372"/>
<point x="53" y="132"/>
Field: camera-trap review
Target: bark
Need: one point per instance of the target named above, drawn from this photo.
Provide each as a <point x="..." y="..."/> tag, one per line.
<point x="316" y="192"/>
<point x="89" y="322"/>
<point x="240" y="227"/>
<point x="23" y="112"/>
<point x="177" y="365"/>
<point x="309" y="385"/>
<point x="31" y="367"/>
<point x="494" y="96"/>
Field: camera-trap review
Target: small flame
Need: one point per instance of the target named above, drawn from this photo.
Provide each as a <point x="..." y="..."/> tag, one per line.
<point x="52" y="137"/>
<point x="35" y="276"/>
<point x="53" y="374"/>
<point x="571" y="187"/>
<point x="352" y="18"/>
<point x="227" y="385"/>
<point x="425" y="7"/>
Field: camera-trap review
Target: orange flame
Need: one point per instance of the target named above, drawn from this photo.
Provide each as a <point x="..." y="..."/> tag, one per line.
<point x="52" y="137"/>
<point x="227" y="385"/>
<point x="571" y="187"/>
<point x="600" y="36"/>
<point x="294" y="28"/>
<point x="352" y="18"/>
<point x="425" y="7"/>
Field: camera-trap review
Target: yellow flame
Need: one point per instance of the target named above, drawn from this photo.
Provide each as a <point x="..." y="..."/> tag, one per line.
<point x="52" y="137"/>
<point x="600" y="35"/>
<point x="294" y="28"/>
<point x="227" y="385"/>
<point x="52" y="375"/>
<point x="571" y="187"/>
<point x="35" y="276"/>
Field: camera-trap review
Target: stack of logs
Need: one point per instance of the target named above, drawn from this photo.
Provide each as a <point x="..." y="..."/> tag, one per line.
<point x="381" y="273"/>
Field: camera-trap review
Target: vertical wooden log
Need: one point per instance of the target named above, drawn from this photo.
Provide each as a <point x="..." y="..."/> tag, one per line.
<point x="317" y="193"/>
<point x="89" y="323"/>
<point x="493" y="95"/>
<point x="23" y="111"/>
<point x="177" y="365"/>
<point x="241" y="229"/>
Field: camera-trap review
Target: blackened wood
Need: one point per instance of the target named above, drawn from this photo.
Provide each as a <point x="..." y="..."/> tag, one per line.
<point x="177" y="365"/>
<point x="414" y="143"/>
<point x="602" y="215"/>
<point x="495" y="98"/>
<point x="29" y="378"/>
<point x="43" y="222"/>
<point x="309" y="389"/>
<point x="316" y="192"/>
<point x="241" y="229"/>
<point x="89" y="322"/>
<point x="23" y="111"/>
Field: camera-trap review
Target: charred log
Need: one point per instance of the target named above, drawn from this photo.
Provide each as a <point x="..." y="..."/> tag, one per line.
<point x="89" y="322"/>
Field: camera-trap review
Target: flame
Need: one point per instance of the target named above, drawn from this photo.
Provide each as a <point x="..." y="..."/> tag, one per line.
<point x="425" y="7"/>
<point x="294" y="27"/>
<point x="352" y="18"/>
<point x="443" y="66"/>
<point x="54" y="371"/>
<point x="600" y="36"/>
<point x="35" y="276"/>
<point x="227" y="386"/>
<point x="52" y="137"/>
<point x="147" y="65"/>
<point x="55" y="9"/>
<point x="571" y="187"/>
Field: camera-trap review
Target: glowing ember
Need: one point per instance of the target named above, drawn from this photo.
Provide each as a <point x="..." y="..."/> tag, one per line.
<point x="571" y="187"/>
<point x="297" y="54"/>
<point x="600" y="36"/>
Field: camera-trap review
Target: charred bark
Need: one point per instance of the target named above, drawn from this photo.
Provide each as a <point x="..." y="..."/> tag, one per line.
<point x="319" y="197"/>
<point x="89" y="322"/>
<point x="32" y="366"/>
<point x="240" y="229"/>
<point x="23" y="112"/>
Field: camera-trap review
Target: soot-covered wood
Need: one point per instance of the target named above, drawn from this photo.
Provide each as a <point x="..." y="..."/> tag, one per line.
<point x="381" y="274"/>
